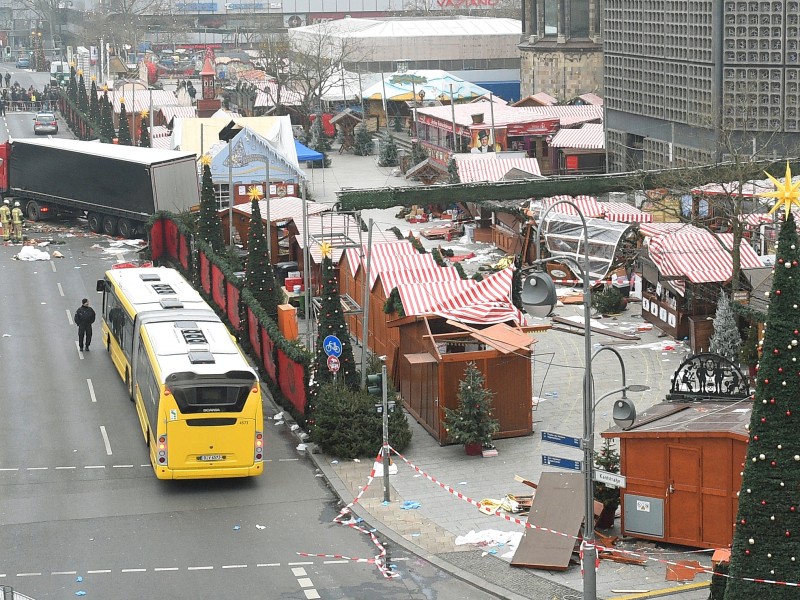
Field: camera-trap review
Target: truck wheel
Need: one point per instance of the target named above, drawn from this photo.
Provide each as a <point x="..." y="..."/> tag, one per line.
<point x="109" y="225"/>
<point x="33" y="211"/>
<point x="126" y="228"/>
<point x="95" y="222"/>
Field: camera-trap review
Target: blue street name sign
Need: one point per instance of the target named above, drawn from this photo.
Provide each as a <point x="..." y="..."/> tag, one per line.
<point x="564" y="440"/>
<point x="332" y="346"/>
<point x="561" y="463"/>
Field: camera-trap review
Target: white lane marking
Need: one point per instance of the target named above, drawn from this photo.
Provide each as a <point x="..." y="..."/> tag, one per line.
<point x="166" y="569"/>
<point x="10" y="469"/>
<point x="288" y="459"/>
<point x="98" y="571"/>
<point x="60" y="290"/>
<point x="105" y="439"/>
<point x="57" y="468"/>
<point x="91" y="390"/>
<point x="311" y="594"/>
<point x="37" y="468"/>
<point x="133" y="571"/>
<point x="200" y="568"/>
<point x="121" y="466"/>
<point x="335" y="562"/>
<point x="53" y="265"/>
<point x="234" y="566"/>
<point x="305" y="582"/>
<point x="294" y="564"/>
<point x="28" y="574"/>
<point x="64" y="573"/>
<point x="80" y="352"/>
<point x="94" y="467"/>
<point x="69" y="317"/>
<point x="299" y="572"/>
<point x="268" y="565"/>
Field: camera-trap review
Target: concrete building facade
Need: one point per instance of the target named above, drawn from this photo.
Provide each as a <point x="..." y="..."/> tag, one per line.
<point x="561" y="48"/>
<point x="697" y="81"/>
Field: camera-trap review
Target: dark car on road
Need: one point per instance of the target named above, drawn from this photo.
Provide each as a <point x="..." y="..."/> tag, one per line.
<point x="44" y="123"/>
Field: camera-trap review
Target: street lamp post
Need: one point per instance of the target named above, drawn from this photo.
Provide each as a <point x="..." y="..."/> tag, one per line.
<point x="227" y="134"/>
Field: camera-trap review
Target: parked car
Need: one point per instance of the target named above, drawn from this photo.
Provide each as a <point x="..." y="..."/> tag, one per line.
<point x="45" y="122"/>
<point x="23" y="62"/>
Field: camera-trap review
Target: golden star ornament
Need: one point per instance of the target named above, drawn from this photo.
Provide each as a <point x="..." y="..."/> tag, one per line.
<point x="325" y="248"/>
<point x="254" y="193"/>
<point x="786" y="194"/>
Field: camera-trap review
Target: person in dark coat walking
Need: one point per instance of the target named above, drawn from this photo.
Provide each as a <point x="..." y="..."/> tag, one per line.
<point x="84" y="317"/>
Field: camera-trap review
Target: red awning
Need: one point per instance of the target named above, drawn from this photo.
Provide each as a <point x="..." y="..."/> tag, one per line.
<point x="588" y="205"/>
<point x="478" y="168"/>
<point x="624" y="213"/>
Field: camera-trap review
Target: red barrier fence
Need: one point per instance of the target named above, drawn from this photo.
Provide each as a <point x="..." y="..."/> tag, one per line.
<point x="168" y="242"/>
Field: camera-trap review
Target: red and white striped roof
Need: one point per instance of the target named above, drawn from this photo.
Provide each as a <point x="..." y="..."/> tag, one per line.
<point x="381" y="254"/>
<point x="590" y="136"/>
<point x="269" y="92"/>
<point x="588" y="205"/>
<point x="170" y="112"/>
<point x="427" y="272"/>
<point x="142" y="100"/>
<point x="473" y="168"/>
<point x="423" y="297"/>
<point x="624" y="213"/>
<point x="755" y="220"/>
<point x="700" y="256"/>
<point x="484" y="302"/>
<point x="651" y="229"/>
<point x="337" y="229"/>
<point x="287" y="208"/>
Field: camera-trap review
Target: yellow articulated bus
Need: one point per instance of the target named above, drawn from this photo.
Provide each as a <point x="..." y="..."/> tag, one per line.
<point x="197" y="398"/>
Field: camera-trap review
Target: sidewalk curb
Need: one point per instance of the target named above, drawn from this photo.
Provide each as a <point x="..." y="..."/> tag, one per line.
<point x="335" y="483"/>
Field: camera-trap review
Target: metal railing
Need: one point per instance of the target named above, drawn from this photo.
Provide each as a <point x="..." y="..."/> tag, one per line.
<point x="9" y="594"/>
<point x="29" y="106"/>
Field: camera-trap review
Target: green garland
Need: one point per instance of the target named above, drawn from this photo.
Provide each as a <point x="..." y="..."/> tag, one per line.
<point x="394" y="304"/>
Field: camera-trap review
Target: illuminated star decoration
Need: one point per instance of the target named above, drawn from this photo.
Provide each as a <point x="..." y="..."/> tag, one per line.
<point x="254" y="193"/>
<point x="80" y="72"/>
<point x="325" y="249"/>
<point x="205" y="160"/>
<point x="122" y="100"/>
<point x="786" y="194"/>
<point x="94" y="77"/>
<point x="144" y="113"/>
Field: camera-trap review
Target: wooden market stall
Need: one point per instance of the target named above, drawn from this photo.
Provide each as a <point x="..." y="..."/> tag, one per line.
<point x="683" y="458"/>
<point x="433" y="355"/>
<point x="683" y="268"/>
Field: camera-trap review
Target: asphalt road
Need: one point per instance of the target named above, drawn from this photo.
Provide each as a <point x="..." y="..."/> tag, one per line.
<point x="82" y="511"/>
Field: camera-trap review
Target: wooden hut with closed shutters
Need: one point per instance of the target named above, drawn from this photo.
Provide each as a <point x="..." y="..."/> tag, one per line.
<point x="682" y="458"/>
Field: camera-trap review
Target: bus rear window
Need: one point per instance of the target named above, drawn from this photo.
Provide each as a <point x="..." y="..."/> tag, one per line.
<point x="195" y="399"/>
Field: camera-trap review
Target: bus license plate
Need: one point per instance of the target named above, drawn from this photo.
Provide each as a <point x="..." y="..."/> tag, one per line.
<point x="211" y="457"/>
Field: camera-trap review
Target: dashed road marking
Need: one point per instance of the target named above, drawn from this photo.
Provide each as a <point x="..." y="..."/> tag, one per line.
<point x="69" y="316"/>
<point x="80" y="352"/>
<point x="60" y="289"/>
<point x="299" y="572"/>
<point x="133" y="571"/>
<point x="91" y="390"/>
<point x="159" y="569"/>
<point x="53" y="266"/>
<point x="305" y="582"/>
<point x="200" y="568"/>
<point x="106" y="441"/>
<point x="311" y="594"/>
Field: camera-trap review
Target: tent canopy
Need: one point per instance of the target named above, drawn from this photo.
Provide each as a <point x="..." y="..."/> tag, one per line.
<point x="304" y="153"/>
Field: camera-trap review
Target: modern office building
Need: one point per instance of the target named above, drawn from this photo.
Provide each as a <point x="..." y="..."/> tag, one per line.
<point x="698" y="81"/>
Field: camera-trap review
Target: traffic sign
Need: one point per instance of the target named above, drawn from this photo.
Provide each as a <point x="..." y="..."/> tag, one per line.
<point x="564" y="440"/>
<point x="561" y="463"/>
<point x="610" y="479"/>
<point x="333" y="364"/>
<point x="332" y="346"/>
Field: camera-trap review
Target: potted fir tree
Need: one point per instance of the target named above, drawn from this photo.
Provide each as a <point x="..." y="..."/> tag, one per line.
<point x="472" y="423"/>
<point x="607" y="460"/>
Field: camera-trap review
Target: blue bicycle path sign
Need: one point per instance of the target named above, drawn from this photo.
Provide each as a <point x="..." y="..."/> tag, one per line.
<point x="332" y="346"/>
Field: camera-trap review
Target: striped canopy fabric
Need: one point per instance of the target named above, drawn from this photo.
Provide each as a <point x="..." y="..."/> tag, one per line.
<point x="588" y="205"/>
<point x="479" y="168"/>
<point x="624" y="213"/>
<point x="380" y="253"/>
<point x="699" y="256"/>
<point x="590" y="136"/>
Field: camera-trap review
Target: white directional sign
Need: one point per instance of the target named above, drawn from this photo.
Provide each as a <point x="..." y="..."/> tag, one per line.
<point x="612" y="479"/>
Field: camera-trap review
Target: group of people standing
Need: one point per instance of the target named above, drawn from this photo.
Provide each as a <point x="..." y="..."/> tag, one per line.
<point x="17" y="98"/>
<point x="11" y="220"/>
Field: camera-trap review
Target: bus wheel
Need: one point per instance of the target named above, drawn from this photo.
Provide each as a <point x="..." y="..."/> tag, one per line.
<point x="109" y="225"/>
<point x="126" y="228"/>
<point x="95" y="222"/>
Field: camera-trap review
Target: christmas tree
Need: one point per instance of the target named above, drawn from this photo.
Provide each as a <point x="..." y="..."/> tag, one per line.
<point x="107" y="132"/>
<point x="209" y="227"/>
<point x="472" y="421"/>
<point x="124" y="128"/>
<point x="452" y="171"/>
<point x="725" y="340"/>
<point x="83" y="101"/>
<point x="319" y="142"/>
<point x="72" y="87"/>
<point x="94" y="104"/>
<point x="418" y="153"/>
<point x="766" y="540"/>
<point x="389" y="157"/>
<point x="144" y="130"/>
<point x="39" y="61"/>
<point x="331" y="322"/>
<point x="259" y="277"/>
<point x="363" y="144"/>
